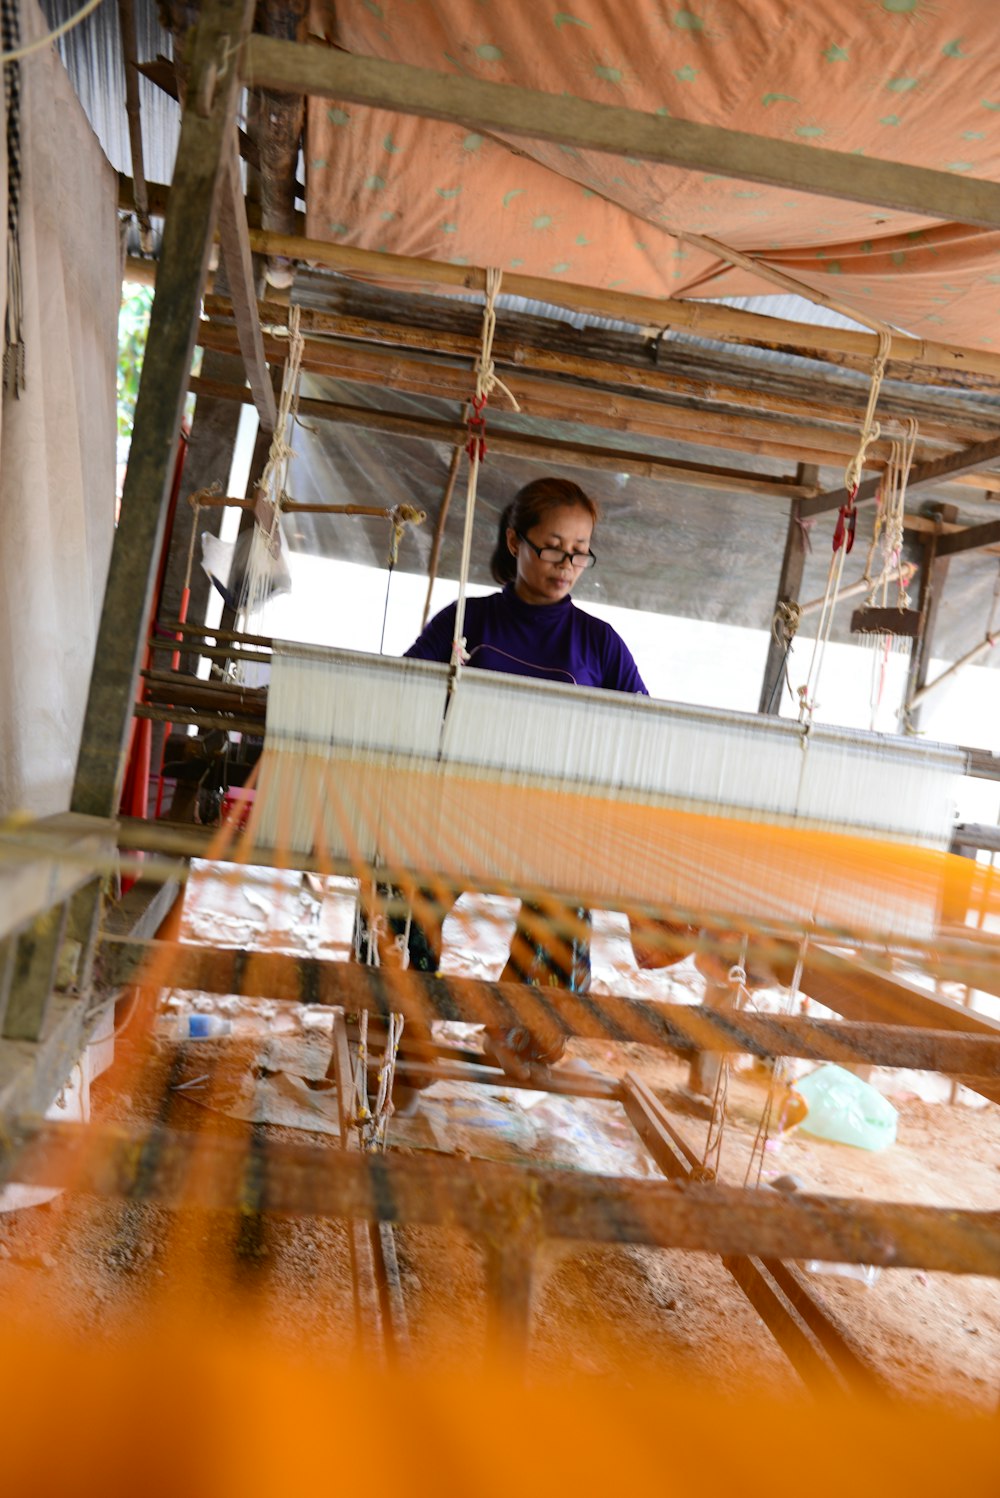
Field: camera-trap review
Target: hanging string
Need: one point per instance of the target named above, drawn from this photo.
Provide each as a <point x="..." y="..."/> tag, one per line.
<point x="711" y="1159"/>
<point x="843" y="536"/>
<point x="777" y="1085"/>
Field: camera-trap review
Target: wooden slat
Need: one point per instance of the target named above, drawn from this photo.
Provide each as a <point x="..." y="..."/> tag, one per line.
<point x="508" y="110"/>
<point x="190" y="1172"/>
<point x="790" y="394"/>
<point x="564" y="401"/>
<point x="235" y="244"/>
<point x="536" y="449"/>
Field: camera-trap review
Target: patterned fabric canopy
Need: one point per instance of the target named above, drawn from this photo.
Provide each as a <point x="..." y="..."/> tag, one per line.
<point x="912" y="81"/>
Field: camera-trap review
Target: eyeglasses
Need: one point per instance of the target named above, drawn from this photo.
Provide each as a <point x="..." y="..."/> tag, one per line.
<point x="577" y="559"/>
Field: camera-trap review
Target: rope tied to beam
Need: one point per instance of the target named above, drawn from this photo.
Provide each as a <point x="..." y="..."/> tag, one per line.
<point x="487" y="381"/>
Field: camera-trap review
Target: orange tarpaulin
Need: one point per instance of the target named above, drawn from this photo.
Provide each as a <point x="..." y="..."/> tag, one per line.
<point x="901" y="80"/>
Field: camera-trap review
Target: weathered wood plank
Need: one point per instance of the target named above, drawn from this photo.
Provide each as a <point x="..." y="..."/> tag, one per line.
<point x="537" y="449"/>
<point x="970" y="539"/>
<point x="191" y="1172"/>
<point x="683" y="1028"/>
<point x="235" y="245"/>
<point x="562" y="400"/>
<point x="507" y="110"/>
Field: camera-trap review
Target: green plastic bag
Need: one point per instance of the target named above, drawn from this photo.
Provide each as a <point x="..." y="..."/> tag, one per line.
<point x="846" y="1110"/>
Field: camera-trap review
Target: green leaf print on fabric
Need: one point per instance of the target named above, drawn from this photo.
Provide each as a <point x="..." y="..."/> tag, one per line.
<point x="834" y="53"/>
<point x="770" y="99"/>
<point x="563" y="18"/>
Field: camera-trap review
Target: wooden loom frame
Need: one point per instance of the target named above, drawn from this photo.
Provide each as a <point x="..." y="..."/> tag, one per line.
<point x="59" y="879"/>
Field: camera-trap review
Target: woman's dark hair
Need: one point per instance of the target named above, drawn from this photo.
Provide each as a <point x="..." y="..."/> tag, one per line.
<point x="526" y="509"/>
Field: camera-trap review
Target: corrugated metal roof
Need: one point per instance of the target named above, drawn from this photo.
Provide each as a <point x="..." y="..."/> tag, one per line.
<point x="92" y="55"/>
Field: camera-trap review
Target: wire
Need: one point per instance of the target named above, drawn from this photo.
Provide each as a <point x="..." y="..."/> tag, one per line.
<point x="50" y="36"/>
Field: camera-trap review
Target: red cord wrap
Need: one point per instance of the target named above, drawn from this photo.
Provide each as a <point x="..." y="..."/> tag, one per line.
<point x="847" y="524"/>
<point x="476" y="444"/>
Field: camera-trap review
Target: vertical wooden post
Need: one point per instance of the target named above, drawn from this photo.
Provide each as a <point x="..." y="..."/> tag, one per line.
<point x="213" y="84"/>
<point x="789" y="585"/>
<point x="34" y="974"/>
<point x="510" y="1271"/>
<point x="933" y="573"/>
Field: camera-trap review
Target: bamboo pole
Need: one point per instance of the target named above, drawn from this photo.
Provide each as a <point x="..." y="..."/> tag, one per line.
<point x="439" y="524"/>
<point x="652" y="314"/>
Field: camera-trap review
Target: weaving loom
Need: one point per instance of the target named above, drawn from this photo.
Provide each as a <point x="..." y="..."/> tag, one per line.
<point x="571" y="789"/>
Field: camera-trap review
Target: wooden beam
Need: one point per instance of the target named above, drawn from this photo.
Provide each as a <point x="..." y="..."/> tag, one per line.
<point x="793" y="563"/>
<point x="971" y="538"/>
<point x="187" y="238"/>
<point x="185" y="1172"/>
<point x="535" y="449"/>
<point x="933" y="575"/>
<point x="794" y="395"/>
<point x="682" y="1028"/>
<point x="655" y="314"/>
<point x="927" y="475"/>
<point x="233" y="236"/>
<point x="504" y="109"/>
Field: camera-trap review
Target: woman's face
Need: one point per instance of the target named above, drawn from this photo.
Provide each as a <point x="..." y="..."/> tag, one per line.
<point x="564" y="528"/>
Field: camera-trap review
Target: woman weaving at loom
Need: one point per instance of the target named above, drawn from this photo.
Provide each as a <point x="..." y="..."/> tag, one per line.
<point x="531" y="628"/>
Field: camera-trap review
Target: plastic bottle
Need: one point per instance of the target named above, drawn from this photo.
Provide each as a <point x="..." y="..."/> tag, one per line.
<point x="204" y="1026"/>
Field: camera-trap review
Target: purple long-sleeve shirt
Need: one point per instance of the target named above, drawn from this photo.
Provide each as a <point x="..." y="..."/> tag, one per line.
<point x="556" y="641"/>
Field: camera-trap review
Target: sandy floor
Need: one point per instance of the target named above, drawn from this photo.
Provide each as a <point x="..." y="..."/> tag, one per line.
<point x="99" y="1267"/>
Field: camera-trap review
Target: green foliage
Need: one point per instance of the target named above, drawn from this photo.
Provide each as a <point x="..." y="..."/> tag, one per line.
<point x="133" y="325"/>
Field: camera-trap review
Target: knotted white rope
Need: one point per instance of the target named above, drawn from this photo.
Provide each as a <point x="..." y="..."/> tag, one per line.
<point x="777" y="1085"/>
<point x="844" y="534"/>
<point x="887" y="533"/>
<point x="711" y="1159"/>
<point x="487" y="381"/>
<point x="870" y="429"/>
<point x="272" y="488"/>
<point x="372" y="1120"/>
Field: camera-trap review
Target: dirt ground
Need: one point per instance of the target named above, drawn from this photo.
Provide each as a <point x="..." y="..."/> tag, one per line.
<point x="98" y="1268"/>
